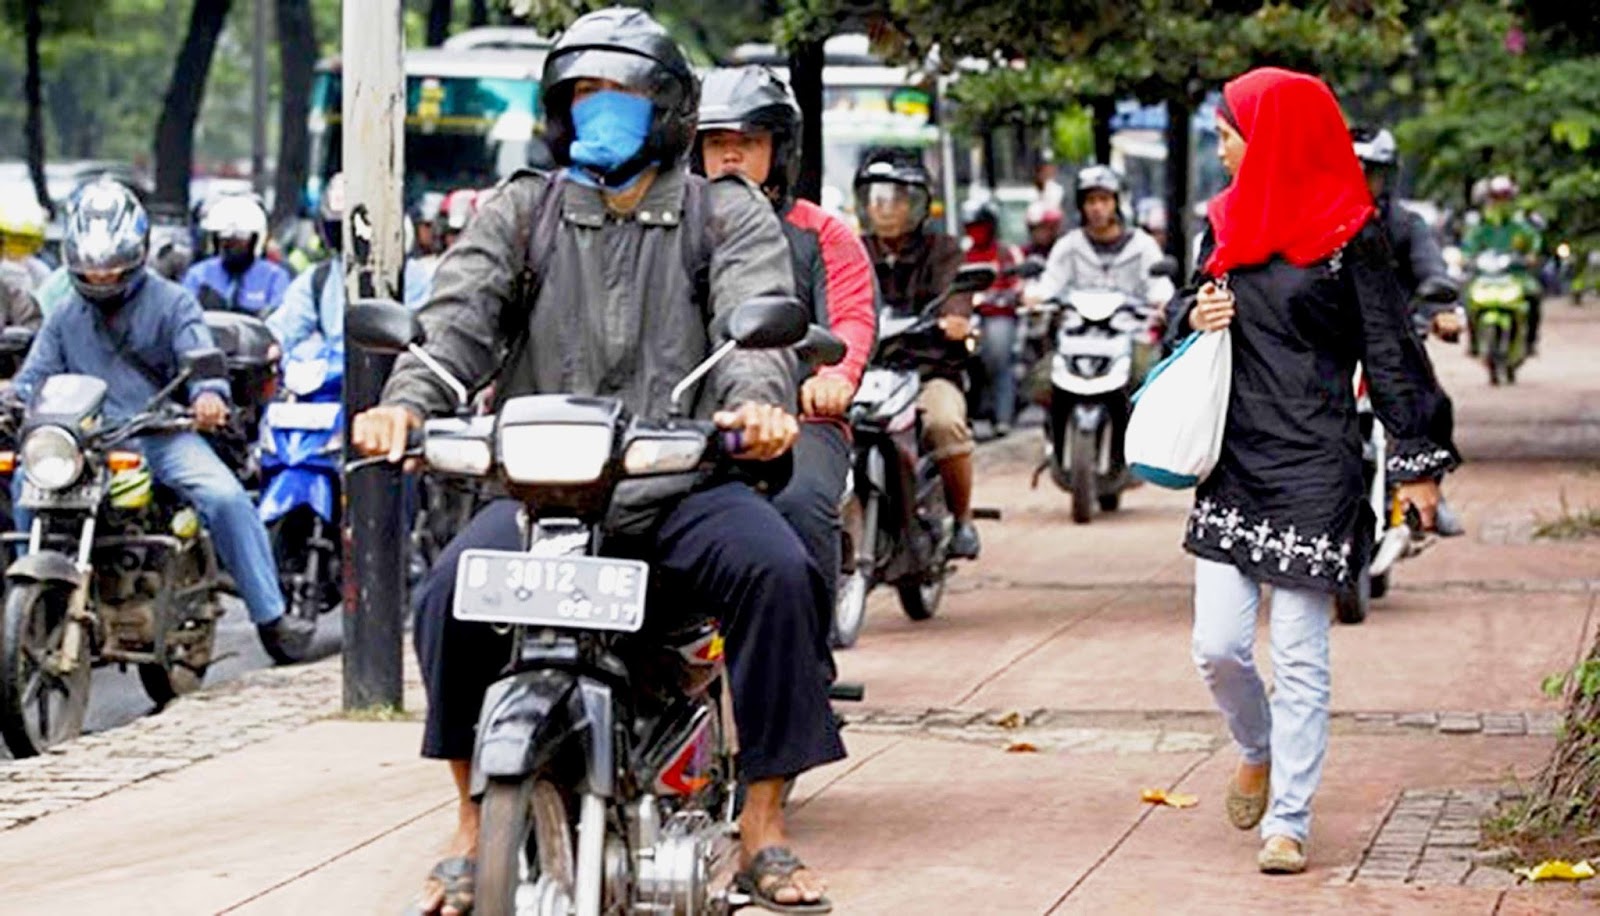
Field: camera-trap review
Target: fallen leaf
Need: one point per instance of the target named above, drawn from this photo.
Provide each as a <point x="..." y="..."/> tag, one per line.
<point x="1558" y="870"/>
<point x="1170" y="799"/>
<point x="1012" y="719"/>
<point x="1021" y="747"/>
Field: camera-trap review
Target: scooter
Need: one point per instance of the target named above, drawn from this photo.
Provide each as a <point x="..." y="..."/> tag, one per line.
<point x="1497" y="314"/>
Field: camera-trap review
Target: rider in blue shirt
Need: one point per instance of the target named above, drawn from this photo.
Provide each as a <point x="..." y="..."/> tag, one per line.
<point x="237" y="278"/>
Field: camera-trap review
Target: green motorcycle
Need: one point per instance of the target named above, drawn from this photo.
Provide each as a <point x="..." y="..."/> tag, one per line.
<point x="1497" y="312"/>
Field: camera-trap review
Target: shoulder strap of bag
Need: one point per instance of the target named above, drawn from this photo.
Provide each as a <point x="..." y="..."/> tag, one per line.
<point x="126" y="352"/>
<point x="696" y="248"/>
<point x="319" y="279"/>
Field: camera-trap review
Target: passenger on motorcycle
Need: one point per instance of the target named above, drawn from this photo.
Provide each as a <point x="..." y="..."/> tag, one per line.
<point x="750" y="126"/>
<point x="915" y="265"/>
<point x="1044" y="229"/>
<point x="128" y="326"/>
<point x="997" y="306"/>
<point x="314" y="301"/>
<point x="1418" y="259"/>
<point x="236" y="278"/>
<point x="1103" y="253"/>
<point x="641" y="255"/>
<point x="1502" y="227"/>
<point x="22" y="225"/>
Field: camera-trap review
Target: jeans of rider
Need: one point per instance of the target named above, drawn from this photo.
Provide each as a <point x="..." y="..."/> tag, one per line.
<point x="810" y="503"/>
<point x="995" y="349"/>
<point x="186" y="463"/>
<point x="724" y="549"/>
<point x="1289" y="730"/>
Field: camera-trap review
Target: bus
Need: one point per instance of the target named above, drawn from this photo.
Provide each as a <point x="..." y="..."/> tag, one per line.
<point x="472" y="111"/>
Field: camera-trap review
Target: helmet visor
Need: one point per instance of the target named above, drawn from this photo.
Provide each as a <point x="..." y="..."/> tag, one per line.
<point x="891" y="209"/>
<point x="632" y="72"/>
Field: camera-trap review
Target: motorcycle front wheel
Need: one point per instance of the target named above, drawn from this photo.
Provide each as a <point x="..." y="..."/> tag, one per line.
<point x="39" y="706"/>
<point x="1351" y="606"/>
<point x="920" y="599"/>
<point x="525" y="852"/>
<point x="1497" y="355"/>
<point x="850" y="600"/>
<point x="1081" y="451"/>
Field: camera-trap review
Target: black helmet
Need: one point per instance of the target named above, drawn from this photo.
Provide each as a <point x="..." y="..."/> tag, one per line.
<point x="107" y="234"/>
<point x="1099" y="178"/>
<point x="627" y="47"/>
<point x="754" y="98"/>
<point x="901" y="171"/>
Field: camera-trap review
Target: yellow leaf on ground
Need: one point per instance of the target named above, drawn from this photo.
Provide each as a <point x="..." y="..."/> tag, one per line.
<point x="1021" y="747"/>
<point x="1170" y="799"/>
<point x="1558" y="870"/>
<point x="1012" y="719"/>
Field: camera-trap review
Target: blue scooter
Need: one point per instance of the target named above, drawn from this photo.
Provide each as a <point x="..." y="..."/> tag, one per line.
<point x="301" y="439"/>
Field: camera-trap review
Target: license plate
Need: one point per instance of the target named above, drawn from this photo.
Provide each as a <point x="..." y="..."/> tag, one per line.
<point x="285" y="415"/>
<point x="585" y="593"/>
<point x="83" y="496"/>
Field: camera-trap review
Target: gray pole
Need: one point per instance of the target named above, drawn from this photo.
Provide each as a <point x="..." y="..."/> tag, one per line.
<point x="374" y="165"/>
<point x="258" y="100"/>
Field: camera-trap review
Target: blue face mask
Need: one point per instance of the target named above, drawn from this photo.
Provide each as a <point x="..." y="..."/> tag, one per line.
<point x="609" y="129"/>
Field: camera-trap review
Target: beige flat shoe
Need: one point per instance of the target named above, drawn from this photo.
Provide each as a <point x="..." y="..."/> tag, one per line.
<point x="1245" y="810"/>
<point x="1281" y="855"/>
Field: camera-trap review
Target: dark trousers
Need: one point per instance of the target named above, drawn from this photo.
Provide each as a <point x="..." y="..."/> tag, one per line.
<point x="724" y="550"/>
<point x="810" y="502"/>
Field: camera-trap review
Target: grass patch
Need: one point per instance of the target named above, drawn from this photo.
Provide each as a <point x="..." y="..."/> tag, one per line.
<point x="1571" y="525"/>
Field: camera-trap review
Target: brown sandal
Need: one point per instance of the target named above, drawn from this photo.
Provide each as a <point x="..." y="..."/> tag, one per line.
<point x="1246" y="809"/>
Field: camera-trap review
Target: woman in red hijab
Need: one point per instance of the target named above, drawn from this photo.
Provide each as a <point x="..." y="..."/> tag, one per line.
<point x="1296" y="267"/>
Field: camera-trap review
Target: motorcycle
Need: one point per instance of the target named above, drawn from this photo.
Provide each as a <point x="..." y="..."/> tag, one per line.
<point x="301" y="440"/>
<point x="1497" y="312"/>
<point x="896" y="526"/>
<point x="604" y="756"/>
<point x="247" y="343"/>
<point x="117" y="569"/>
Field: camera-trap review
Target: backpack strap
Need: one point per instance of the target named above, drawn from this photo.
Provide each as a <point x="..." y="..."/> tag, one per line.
<point x="695" y="243"/>
<point x="319" y="279"/>
<point x="537" y="238"/>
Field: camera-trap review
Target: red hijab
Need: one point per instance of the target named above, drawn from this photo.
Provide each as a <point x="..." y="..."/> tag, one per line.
<point x="1300" y="192"/>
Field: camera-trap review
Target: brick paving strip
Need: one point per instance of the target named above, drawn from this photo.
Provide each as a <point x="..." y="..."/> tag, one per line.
<point x="1431" y="837"/>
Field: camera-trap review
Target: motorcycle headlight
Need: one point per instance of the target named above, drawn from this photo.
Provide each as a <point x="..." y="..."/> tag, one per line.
<point x="51" y="458"/>
<point x="1124" y="321"/>
<point x="663" y="456"/>
<point x="555" y="453"/>
<point x="302" y="377"/>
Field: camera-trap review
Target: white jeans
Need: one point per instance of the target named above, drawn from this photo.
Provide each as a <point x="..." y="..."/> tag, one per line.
<point x="1291" y="732"/>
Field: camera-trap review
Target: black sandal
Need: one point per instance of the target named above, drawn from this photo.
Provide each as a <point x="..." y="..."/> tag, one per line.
<point x="770" y="871"/>
<point x="458" y="877"/>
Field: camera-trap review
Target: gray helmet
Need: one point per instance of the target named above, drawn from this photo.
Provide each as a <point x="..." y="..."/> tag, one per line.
<point x="1099" y="178"/>
<point x="754" y="98"/>
<point x="1374" y="146"/>
<point x="628" y="47"/>
<point x="108" y="234"/>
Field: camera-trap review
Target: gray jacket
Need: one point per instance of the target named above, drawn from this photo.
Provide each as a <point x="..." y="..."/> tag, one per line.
<point x="615" y="313"/>
<point x="1074" y="264"/>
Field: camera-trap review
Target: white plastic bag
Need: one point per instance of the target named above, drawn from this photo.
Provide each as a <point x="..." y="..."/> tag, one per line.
<point x="1175" y="434"/>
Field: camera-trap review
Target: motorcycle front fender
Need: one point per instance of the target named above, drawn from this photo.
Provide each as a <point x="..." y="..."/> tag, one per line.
<point x="45" y="566"/>
<point x="1088" y="417"/>
<point x="529" y="718"/>
<point x="294" y="487"/>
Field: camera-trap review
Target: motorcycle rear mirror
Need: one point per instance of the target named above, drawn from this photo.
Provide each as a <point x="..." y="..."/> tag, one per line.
<point x="820" y="348"/>
<point x="1166" y="267"/>
<point x="1027" y="270"/>
<point x="382" y="325"/>
<point x="767" y="322"/>
<point x="208" y="362"/>
<point x="15" y="341"/>
<point x="972" y="278"/>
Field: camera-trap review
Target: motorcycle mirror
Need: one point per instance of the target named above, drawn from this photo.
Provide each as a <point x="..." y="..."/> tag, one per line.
<point x="1166" y="267"/>
<point x="382" y="325"/>
<point x="15" y="341"/>
<point x="972" y="278"/>
<point x="820" y="348"/>
<point x="1027" y="270"/>
<point x="767" y="322"/>
<point x="208" y="362"/>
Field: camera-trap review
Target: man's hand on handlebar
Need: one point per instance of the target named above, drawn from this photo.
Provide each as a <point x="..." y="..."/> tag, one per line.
<point x="825" y="396"/>
<point x="210" y="412"/>
<point x="1447" y="325"/>
<point x="955" y="327"/>
<point x="766" y="432"/>
<point x="384" y="431"/>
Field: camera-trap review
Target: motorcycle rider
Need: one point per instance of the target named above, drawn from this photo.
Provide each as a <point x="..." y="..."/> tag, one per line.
<point x="1502" y="227"/>
<point x="997" y="306"/>
<point x="1417" y="255"/>
<point x="621" y="103"/>
<point x="750" y="126"/>
<point x="915" y="265"/>
<point x="314" y="302"/>
<point x="1044" y="228"/>
<point x="22" y="224"/>
<point x="1103" y="253"/>
<point x="237" y="278"/>
<point x="128" y="326"/>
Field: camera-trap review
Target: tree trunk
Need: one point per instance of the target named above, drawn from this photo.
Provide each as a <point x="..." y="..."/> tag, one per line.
<point x="1103" y="107"/>
<point x="33" y="91"/>
<point x="480" y="13"/>
<point x="297" y="60"/>
<point x="1179" y="114"/>
<point x="174" y="147"/>
<point x="805" y="78"/>
<point x="439" y="21"/>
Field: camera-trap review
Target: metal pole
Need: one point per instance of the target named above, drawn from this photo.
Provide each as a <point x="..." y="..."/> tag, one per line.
<point x="258" y="100"/>
<point x="374" y="163"/>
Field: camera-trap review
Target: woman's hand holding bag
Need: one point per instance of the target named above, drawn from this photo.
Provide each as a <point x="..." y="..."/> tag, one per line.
<point x="1175" y="434"/>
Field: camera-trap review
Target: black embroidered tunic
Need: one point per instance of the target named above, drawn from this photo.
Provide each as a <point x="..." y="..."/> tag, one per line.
<point x="1285" y="503"/>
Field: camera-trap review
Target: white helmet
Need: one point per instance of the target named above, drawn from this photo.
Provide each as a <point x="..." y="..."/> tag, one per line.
<point x="236" y="216"/>
<point x="1375" y="147"/>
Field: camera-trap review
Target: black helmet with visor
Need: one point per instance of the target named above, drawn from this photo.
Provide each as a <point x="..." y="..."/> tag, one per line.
<point x="626" y="47"/>
<point x="886" y="181"/>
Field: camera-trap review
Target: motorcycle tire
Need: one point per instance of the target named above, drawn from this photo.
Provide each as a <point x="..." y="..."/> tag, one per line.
<point x="1496" y="357"/>
<point x="517" y="820"/>
<point x="35" y="617"/>
<point x="290" y="548"/>
<point x="1110" y="502"/>
<point x="849" y="609"/>
<point x="1082" y="454"/>
<point x="920" y="599"/>
<point x="1351" y="606"/>
<point x="1379" y="586"/>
